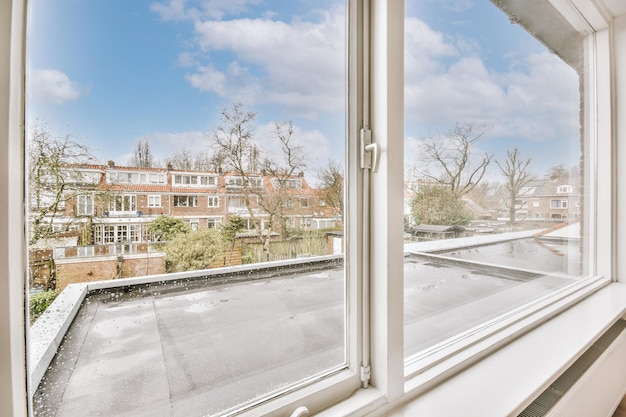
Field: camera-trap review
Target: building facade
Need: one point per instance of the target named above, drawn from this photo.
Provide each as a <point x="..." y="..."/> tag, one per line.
<point x="113" y="204"/>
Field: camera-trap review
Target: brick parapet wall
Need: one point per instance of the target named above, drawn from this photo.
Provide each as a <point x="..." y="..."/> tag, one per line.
<point x="106" y="268"/>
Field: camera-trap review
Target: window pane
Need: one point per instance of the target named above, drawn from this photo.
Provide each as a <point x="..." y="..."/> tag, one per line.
<point x="492" y="141"/>
<point x="212" y="135"/>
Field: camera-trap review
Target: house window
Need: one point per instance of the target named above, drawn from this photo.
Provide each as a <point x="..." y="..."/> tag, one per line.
<point x="157" y="178"/>
<point x="288" y="183"/>
<point x="121" y="203"/>
<point x="208" y="181"/>
<point x="117" y="233"/>
<point x="154" y="200"/>
<point x="214" y="223"/>
<point x="117" y="177"/>
<point x="84" y="205"/>
<point x="152" y="178"/>
<point x="565" y="189"/>
<point x="185" y="201"/>
<point x="213" y="201"/>
<point x="558" y="204"/>
<point x="234" y="182"/>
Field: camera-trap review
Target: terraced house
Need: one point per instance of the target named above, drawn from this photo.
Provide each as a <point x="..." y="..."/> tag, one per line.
<point x="113" y="204"/>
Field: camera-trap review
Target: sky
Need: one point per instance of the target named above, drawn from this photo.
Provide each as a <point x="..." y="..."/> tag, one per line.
<point x="113" y="72"/>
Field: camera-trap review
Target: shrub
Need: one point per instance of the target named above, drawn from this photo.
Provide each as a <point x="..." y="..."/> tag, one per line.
<point x="39" y="302"/>
<point x="192" y="251"/>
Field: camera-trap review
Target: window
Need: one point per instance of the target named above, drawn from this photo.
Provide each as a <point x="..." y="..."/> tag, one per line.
<point x="565" y="189"/>
<point x="459" y="101"/>
<point x="185" y="201"/>
<point x="193" y="180"/>
<point x="213" y="201"/>
<point x="84" y="205"/>
<point x="117" y="233"/>
<point x="558" y="204"/>
<point x="154" y="179"/>
<point x="154" y="200"/>
<point x="430" y="44"/>
<point x="288" y="183"/>
<point x="214" y="223"/>
<point x="208" y="181"/>
<point x="234" y="182"/>
<point x="123" y="203"/>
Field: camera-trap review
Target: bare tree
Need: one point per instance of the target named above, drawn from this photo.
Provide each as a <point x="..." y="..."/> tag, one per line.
<point x="181" y="160"/>
<point x="332" y="187"/>
<point x="239" y="154"/>
<point x="557" y="172"/>
<point x="143" y="155"/>
<point x="515" y="170"/>
<point x="451" y="155"/>
<point x="55" y="179"/>
<point x="186" y="160"/>
<point x="281" y="170"/>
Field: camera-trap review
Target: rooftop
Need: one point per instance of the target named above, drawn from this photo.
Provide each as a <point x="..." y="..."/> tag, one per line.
<point x="196" y="344"/>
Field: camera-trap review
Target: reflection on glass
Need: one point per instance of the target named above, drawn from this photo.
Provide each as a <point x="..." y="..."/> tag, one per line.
<point x="494" y="195"/>
<point x="165" y="141"/>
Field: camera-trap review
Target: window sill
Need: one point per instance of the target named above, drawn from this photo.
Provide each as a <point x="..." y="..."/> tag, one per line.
<point x="510" y="377"/>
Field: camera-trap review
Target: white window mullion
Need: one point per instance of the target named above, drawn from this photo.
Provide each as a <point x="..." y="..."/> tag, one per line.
<point x="386" y="210"/>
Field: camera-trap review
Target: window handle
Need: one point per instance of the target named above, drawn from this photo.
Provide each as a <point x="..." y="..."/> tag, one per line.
<point x="300" y="411"/>
<point x="374" y="148"/>
<point x="369" y="151"/>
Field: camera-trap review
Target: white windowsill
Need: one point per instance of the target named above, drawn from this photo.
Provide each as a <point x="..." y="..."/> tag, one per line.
<point x="507" y="380"/>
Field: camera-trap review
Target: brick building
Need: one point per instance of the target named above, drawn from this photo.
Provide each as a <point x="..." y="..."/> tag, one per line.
<point x="113" y="204"/>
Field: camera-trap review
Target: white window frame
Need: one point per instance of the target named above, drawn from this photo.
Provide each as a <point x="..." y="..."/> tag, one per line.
<point x="132" y="201"/>
<point x="214" y="222"/>
<point x="213" y="201"/>
<point x="208" y="181"/>
<point x="84" y="205"/>
<point x="386" y="341"/>
<point x="154" y="200"/>
<point x="192" y="200"/>
<point x="565" y="189"/>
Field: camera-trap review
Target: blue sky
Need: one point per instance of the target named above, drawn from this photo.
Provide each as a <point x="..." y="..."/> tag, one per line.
<point x="112" y="72"/>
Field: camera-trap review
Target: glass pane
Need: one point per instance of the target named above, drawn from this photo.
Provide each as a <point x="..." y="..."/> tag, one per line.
<point x="494" y="172"/>
<point x="195" y="129"/>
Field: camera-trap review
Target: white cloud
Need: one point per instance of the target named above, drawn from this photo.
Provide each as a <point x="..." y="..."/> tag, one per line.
<point x="164" y="145"/>
<point x="52" y="86"/>
<point x="457" y="5"/>
<point x="316" y="146"/>
<point x="299" y="64"/>
<point x="178" y="10"/>
<point x="536" y="99"/>
<point x="208" y="79"/>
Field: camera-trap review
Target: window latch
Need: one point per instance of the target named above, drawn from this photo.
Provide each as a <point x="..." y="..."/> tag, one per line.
<point x="369" y="151"/>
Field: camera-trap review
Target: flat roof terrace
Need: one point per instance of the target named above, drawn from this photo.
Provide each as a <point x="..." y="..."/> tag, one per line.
<point x="201" y="343"/>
